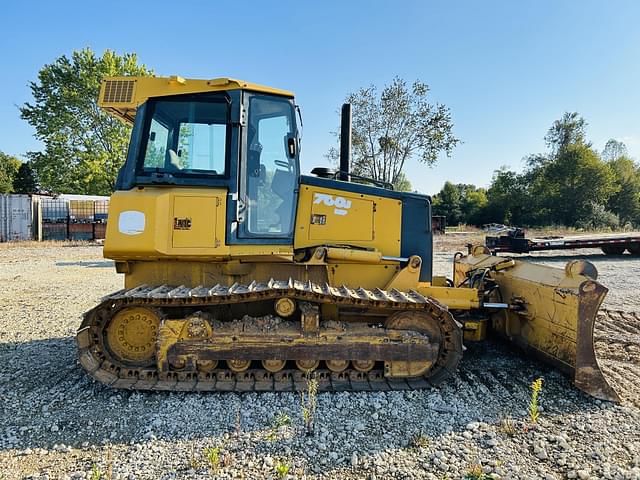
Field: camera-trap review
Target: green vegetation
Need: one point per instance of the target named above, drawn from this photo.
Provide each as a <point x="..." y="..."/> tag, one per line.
<point x="476" y="473"/>
<point x="282" y="469"/>
<point x="281" y="420"/>
<point x="536" y="387"/>
<point x="9" y="167"/>
<point x="572" y="185"/>
<point x="212" y="454"/>
<point x="461" y="203"/>
<point x="83" y="146"/>
<point x="25" y="179"/>
<point x="95" y="473"/>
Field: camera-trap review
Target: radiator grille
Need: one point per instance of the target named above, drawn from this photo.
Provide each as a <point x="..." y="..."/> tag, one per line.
<point x="118" y="91"/>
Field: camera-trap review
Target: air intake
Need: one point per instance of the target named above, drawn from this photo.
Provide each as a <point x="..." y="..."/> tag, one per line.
<point x="118" y="91"/>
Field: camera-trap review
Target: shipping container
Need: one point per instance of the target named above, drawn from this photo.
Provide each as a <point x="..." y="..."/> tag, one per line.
<point x="17" y="215"/>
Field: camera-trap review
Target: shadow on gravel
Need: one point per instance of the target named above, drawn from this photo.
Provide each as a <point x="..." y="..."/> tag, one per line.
<point x="89" y="264"/>
<point x="47" y="399"/>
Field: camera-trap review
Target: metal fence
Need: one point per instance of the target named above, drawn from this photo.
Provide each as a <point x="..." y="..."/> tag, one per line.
<point x="74" y="219"/>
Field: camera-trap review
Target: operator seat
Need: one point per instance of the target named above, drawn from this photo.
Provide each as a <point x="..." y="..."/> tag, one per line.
<point x="283" y="185"/>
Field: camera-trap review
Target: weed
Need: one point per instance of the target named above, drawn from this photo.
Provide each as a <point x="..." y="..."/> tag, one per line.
<point x="281" y="420"/>
<point x="476" y="473"/>
<point x="238" y="420"/>
<point x="212" y="454"/>
<point x="507" y="426"/>
<point x="272" y="436"/>
<point x="282" y="469"/>
<point x="95" y="473"/>
<point x="420" y="440"/>
<point x="227" y="459"/>
<point x="109" y="473"/>
<point x="536" y="387"/>
<point x="309" y="403"/>
<point x="193" y="461"/>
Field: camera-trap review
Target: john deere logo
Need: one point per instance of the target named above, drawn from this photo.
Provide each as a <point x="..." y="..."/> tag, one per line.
<point x="181" y="223"/>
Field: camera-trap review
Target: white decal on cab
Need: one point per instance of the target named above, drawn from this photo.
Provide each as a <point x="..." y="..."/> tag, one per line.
<point x="342" y="204"/>
<point x="131" y="222"/>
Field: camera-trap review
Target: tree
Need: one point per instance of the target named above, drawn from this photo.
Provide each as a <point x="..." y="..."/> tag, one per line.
<point x="395" y="126"/>
<point x="460" y="203"/>
<point x="448" y="203"/>
<point x="402" y="183"/>
<point x="625" y="202"/>
<point x="573" y="182"/>
<point x="570" y="129"/>
<point x="474" y="203"/>
<point x="25" y="179"/>
<point x="570" y="185"/>
<point x="84" y="146"/>
<point x="614" y="149"/>
<point x="9" y="166"/>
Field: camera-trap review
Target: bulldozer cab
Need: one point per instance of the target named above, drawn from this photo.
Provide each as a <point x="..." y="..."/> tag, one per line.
<point x="246" y="142"/>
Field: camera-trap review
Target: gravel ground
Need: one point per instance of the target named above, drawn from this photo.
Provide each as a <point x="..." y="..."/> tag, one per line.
<point x="56" y="423"/>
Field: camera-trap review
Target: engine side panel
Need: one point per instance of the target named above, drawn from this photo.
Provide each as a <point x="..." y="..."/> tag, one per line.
<point x="330" y="216"/>
<point x="150" y="223"/>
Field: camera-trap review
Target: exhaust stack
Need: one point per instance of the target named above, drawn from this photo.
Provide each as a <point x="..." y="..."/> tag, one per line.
<point x="345" y="142"/>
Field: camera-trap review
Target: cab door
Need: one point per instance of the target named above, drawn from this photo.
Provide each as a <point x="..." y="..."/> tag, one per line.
<point x="269" y="172"/>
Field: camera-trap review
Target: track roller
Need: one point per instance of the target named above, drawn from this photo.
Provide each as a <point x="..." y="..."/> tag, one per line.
<point x="363" y="365"/>
<point x="273" y="366"/>
<point x="238" y="365"/>
<point x="337" y="365"/>
<point x="307" y="365"/>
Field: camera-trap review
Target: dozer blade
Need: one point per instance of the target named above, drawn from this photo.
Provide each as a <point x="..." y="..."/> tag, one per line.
<point x="551" y="312"/>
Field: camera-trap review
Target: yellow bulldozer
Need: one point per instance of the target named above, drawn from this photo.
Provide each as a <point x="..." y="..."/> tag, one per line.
<point x="242" y="274"/>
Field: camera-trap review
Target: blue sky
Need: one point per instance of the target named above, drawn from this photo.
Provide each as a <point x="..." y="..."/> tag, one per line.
<point x="506" y="69"/>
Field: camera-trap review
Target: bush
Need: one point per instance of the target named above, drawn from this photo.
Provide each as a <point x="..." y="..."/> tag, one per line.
<point x="598" y="217"/>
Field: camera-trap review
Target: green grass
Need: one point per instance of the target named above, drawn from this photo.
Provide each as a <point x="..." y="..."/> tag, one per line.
<point x="281" y="420"/>
<point x="282" y="469"/>
<point x="212" y="454"/>
<point x="95" y="473"/>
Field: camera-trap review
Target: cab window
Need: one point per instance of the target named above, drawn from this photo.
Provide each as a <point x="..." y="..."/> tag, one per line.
<point x="186" y="138"/>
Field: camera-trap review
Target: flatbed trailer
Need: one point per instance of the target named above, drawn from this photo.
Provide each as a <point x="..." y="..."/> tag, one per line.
<point x="516" y="242"/>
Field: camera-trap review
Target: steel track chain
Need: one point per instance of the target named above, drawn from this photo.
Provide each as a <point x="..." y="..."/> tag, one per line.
<point x="97" y="361"/>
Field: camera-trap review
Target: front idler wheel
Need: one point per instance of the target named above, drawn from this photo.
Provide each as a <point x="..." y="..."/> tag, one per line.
<point x="131" y="335"/>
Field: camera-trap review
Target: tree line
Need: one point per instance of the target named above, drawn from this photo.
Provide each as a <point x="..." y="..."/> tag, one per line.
<point x="572" y="184"/>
